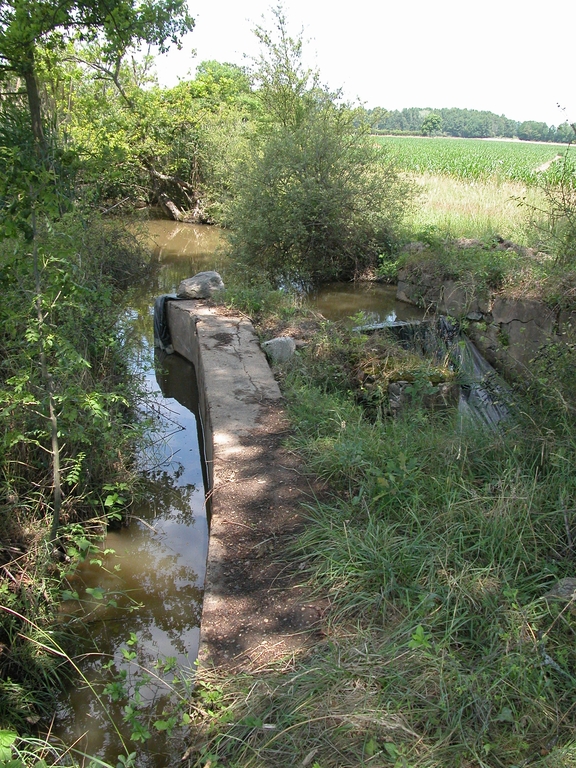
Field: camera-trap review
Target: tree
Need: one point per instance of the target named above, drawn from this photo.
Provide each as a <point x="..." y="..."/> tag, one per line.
<point x="31" y="191"/>
<point x="315" y="198"/>
<point x="432" y="124"/>
<point x="531" y="130"/>
<point x="119" y="24"/>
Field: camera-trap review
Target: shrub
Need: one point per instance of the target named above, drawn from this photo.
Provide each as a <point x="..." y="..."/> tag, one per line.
<point x="315" y="198"/>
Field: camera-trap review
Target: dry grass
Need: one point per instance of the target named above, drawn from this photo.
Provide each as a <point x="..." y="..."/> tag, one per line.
<point x="474" y="208"/>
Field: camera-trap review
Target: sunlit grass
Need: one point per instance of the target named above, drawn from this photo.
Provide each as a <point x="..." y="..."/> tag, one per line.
<point x="475" y="209"/>
<point x="434" y="556"/>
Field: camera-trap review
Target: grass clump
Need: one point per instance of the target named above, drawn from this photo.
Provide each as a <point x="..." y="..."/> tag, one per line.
<point x="481" y="265"/>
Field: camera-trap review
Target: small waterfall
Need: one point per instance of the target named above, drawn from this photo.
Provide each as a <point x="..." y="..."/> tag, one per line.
<point x="484" y="394"/>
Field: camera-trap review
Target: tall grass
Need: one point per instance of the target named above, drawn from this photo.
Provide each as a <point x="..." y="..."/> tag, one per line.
<point x="436" y="551"/>
<point x="475" y="209"/>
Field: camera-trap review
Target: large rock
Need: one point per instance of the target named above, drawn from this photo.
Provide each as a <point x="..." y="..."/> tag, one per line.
<point x="280" y="349"/>
<point x="202" y="286"/>
<point x="460" y="300"/>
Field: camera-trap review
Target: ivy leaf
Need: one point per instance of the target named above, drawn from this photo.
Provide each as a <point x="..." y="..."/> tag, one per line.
<point x="7" y="738"/>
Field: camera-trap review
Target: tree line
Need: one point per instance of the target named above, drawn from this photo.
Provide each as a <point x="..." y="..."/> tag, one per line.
<point x="465" y="123"/>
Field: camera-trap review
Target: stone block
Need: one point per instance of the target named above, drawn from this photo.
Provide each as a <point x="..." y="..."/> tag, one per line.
<point x="506" y="310"/>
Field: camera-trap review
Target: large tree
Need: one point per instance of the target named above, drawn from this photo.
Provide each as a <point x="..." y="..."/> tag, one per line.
<point x="118" y="24"/>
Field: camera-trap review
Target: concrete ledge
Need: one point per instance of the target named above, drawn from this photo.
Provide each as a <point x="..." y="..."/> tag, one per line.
<point x="252" y="610"/>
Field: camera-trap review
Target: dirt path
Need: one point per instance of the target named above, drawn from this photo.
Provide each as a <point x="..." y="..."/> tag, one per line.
<point x="254" y="609"/>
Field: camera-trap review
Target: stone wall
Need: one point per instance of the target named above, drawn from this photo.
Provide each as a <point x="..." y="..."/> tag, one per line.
<point x="509" y="332"/>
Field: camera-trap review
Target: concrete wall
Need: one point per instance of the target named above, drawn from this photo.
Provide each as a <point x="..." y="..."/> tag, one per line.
<point x="249" y="610"/>
<point x="510" y="332"/>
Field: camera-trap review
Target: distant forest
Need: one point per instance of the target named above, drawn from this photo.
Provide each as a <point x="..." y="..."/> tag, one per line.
<point x="465" y="123"/>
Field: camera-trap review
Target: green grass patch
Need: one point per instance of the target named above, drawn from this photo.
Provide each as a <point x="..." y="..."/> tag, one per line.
<point x="436" y="551"/>
<point x="478" y="209"/>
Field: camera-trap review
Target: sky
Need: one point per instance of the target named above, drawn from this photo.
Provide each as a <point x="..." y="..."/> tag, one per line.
<point x="496" y="55"/>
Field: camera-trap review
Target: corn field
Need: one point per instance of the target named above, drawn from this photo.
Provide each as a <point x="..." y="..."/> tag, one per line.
<point x="477" y="159"/>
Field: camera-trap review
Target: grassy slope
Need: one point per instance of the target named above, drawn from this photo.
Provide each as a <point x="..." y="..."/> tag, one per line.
<point x="436" y="553"/>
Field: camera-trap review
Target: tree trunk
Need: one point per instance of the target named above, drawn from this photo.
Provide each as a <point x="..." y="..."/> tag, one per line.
<point x="34" y="104"/>
<point x="170" y="207"/>
<point x="49" y="389"/>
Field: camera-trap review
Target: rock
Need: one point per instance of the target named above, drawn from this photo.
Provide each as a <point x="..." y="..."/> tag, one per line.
<point x="506" y="310"/>
<point x="202" y="286"/>
<point x="280" y="349"/>
<point x="565" y="589"/>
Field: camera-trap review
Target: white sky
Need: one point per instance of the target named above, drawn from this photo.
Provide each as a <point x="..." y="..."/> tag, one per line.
<point x="505" y="56"/>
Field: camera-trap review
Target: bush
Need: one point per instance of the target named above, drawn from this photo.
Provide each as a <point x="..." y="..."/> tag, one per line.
<point x="315" y="198"/>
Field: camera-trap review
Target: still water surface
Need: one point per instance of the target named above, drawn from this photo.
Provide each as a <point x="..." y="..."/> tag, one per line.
<point x="144" y="599"/>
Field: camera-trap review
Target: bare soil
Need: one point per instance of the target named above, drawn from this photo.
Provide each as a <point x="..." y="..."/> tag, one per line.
<point x="263" y="612"/>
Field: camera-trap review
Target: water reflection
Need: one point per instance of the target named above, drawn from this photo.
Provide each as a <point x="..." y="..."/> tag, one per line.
<point x="377" y="301"/>
<point x="139" y="600"/>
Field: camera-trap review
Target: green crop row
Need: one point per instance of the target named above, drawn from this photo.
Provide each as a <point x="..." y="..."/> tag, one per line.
<point x="475" y="159"/>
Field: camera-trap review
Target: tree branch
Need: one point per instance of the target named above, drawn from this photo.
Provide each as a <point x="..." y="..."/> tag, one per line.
<point x="113" y="76"/>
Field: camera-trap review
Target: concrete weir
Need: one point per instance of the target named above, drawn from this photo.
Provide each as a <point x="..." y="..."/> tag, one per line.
<point x="252" y="611"/>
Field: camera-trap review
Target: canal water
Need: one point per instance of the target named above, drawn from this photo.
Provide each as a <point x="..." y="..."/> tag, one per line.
<point x="138" y="602"/>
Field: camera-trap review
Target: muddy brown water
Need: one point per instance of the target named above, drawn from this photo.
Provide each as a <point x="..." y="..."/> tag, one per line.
<point x="137" y="604"/>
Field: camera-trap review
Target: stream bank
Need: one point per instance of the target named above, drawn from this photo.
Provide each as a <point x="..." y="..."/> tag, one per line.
<point x="510" y="331"/>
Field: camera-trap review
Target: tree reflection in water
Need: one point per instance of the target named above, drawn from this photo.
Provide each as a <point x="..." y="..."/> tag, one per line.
<point x="152" y="580"/>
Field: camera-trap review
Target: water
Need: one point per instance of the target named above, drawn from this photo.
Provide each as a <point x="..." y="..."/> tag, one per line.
<point x="376" y="301"/>
<point x="142" y="595"/>
<point x="141" y="600"/>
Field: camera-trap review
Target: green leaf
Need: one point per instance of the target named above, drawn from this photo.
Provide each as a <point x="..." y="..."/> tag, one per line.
<point x="506" y="716"/>
<point x="7" y="738"/>
<point x="420" y="639"/>
<point x="66" y="594"/>
<point x="96" y="592"/>
<point x="371" y="747"/>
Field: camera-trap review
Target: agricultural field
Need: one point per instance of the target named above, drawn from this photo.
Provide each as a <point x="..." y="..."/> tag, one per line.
<point x="474" y="159"/>
<point x="480" y="188"/>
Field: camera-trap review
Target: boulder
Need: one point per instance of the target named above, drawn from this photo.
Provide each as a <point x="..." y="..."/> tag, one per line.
<point x="280" y="349"/>
<point x="202" y="286"/>
<point x="565" y="589"/>
<point x="442" y="396"/>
